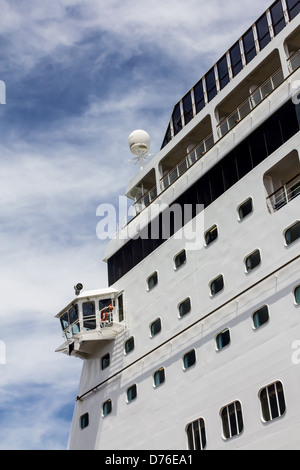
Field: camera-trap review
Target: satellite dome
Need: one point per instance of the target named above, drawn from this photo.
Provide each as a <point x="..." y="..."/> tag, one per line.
<point x="139" y="142"/>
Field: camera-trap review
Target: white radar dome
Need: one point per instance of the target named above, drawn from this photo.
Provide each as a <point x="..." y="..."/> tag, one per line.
<point x="139" y="142"/>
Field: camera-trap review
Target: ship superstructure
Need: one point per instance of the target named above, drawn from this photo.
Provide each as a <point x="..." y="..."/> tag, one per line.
<point x="195" y="344"/>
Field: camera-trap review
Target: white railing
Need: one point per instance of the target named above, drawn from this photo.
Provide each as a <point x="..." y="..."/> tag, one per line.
<point x="294" y="61"/>
<point x="251" y="102"/>
<point x="145" y="200"/>
<point x="284" y="194"/>
<point x="186" y="162"/>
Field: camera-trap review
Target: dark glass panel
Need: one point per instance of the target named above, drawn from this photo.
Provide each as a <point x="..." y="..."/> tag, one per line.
<point x="243" y="158"/>
<point x="216" y="181"/>
<point x="273" y="134"/>
<point x="249" y="45"/>
<point x="187" y="108"/>
<point x="258" y="146"/>
<point x="236" y="59"/>
<point x="176" y="119"/>
<point x="229" y="167"/>
<point x="199" y="96"/>
<point x="293" y="7"/>
<point x="263" y="32"/>
<point x="223" y="72"/>
<point x="278" y="20"/>
<point x="167" y="137"/>
<point x="210" y="81"/>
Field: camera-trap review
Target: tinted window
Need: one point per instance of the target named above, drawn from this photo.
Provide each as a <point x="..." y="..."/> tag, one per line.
<point x="187" y="108"/>
<point x="129" y="344"/>
<point x="245" y="209"/>
<point x="252" y="261"/>
<point x="223" y="72"/>
<point x="210" y="82"/>
<point x="189" y="359"/>
<point x="217" y="285"/>
<point x="152" y="280"/>
<point x="223" y="339"/>
<point x="249" y="45"/>
<point x="184" y="307"/>
<point x="293" y="8"/>
<point x="277" y="17"/>
<point x="263" y="33"/>
<point x="293" y="233"/>
<point x="180" y="259"/>
<point x="260" y="317"/>
<point x="176" y="118"/>
<point x="236" y="59"/>
<point x="84" y="420"/>
<point x="159" y="377"/>
<point x="199" y="96"/>
<point x="155" y="327"/>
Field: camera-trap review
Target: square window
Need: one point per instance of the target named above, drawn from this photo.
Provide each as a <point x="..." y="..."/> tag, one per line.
<point x="196" y="435"/>
<point x="211" y="235"/>
<point x="189" y="359"/>
<point x="129" y="345"/>
<point x="131" y="393"/>
<point x="159" y="377"/>
<point x="252" y="261"/>
<point x="222" y="339"/>
<point x="106" y="407"/>
<point x="217" y="285"/>
<point x="272" y="401"/>
<point x="105" y="361"/>
<point x="84" y="420"/>
<point x="245" y="208"/>
<point x="184" y="307"/>
<point x="260" y="317"/>
<point x="232" y="419"/>
<point x="292" y="233"/>
<point x="155" y="327"/>
<point x="152" y="280"/>
<point x="180" y="259"/>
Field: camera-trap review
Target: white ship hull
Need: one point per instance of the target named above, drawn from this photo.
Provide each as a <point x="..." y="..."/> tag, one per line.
<point x="240" y="395"/>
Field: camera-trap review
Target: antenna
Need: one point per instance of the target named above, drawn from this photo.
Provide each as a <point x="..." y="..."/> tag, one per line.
<point x="139" y="144"/>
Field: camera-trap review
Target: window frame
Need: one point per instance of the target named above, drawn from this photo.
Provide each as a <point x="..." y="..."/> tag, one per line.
<point x="180" y="304"/>
<point x="196" y="434"/>
<point x="267" y="406"/>
<point x="187" y="367"/>
<point x="161" y="369"/>
<point x="297" y="222"/>
<point x="233" y="419"/>
<point x="213" y="294"/>
<point x="106" y="402"/>
<point x="212" y="229"/>
<point x="133" y="386"/>
<point x="177" y="257"/>
<point x="256" y="312"/>
<point x="297" y="304"/>
<point x="152" y="335"/>
<point x="131" y="338"/>
<point x="105" y="356"/>
<point x="221" y="347"/>
<point x="154" y="274"/>
<point x="84" y="421"/>
<point x="241" y="216"/>
<point x="253" y="253"/>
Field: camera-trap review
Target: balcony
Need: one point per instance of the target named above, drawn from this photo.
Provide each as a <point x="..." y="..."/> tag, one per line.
<point x="294" y="61"/>
<point x="284" y="194"/>
<point x="187" y="161"/>
<point x="253" y="100"/>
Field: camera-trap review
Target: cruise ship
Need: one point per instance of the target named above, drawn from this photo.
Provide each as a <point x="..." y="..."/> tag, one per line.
<point x="194" y="344"/>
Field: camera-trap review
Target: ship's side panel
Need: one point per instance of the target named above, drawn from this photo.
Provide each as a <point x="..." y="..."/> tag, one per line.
<point x="252" y="360"/>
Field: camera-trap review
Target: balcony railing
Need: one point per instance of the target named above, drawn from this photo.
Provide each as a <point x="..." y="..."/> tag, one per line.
<point x="187" y="161"/>
<point x="251" y="102"/>
<point x="284" y="194"/>
<point x="294" y="61"/>
<point x="145" y="200"/>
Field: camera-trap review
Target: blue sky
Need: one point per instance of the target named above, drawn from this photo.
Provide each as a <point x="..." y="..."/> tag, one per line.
<point x="80" y="76"/>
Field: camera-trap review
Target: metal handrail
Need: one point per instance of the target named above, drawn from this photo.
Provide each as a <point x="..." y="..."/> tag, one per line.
<point x="256" y="97"/>
<point x="286" y="193"/>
